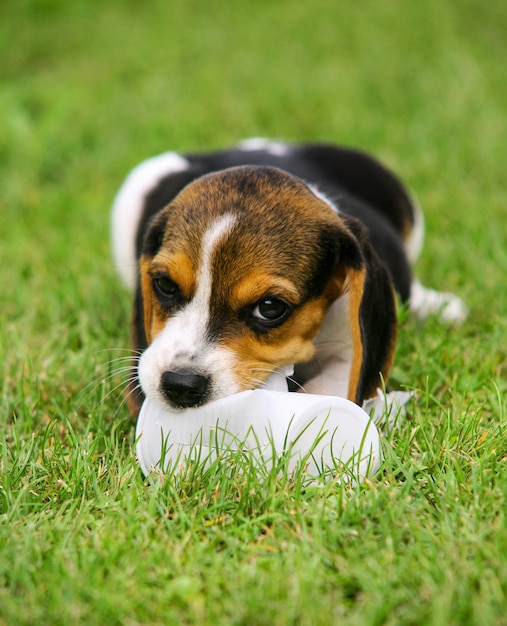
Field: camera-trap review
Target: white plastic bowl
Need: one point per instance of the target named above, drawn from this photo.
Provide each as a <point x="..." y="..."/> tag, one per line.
<point x="328" y="434"/>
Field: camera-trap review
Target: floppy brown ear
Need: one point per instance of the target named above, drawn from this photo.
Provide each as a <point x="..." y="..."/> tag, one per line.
<point x="372" y="318"/>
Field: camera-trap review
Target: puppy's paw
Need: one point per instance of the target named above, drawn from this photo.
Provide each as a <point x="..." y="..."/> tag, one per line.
<point x="448" y="307"/>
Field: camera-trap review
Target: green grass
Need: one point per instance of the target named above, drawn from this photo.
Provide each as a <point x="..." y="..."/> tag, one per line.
<point x="87" y="90"/>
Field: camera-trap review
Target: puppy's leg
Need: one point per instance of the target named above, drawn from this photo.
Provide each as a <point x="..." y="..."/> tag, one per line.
<point x="424" y="301"/>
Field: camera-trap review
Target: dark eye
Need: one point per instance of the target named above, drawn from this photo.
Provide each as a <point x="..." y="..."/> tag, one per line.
<point x="269" y="313"/>
<point x="167" y="291"/>
<point x="270" y="309"/>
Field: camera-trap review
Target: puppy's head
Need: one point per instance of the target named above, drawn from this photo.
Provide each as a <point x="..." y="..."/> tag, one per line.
<point x="236" y="276"/>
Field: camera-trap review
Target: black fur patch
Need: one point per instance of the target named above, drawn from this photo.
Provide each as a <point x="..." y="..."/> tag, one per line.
<point x="138" y="331"/>
<point x="378" y="326"/>
<point x="154" y="237"/>
<point x="387" y="248"/>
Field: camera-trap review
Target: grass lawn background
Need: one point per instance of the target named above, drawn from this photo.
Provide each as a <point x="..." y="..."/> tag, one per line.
<point x="87" y="90"/>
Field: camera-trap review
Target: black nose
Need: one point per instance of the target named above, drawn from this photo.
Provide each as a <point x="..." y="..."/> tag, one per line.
<point x="184" y="389"/>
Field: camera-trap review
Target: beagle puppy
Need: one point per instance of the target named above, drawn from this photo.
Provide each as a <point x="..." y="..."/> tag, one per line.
<point x="251" y="259"/>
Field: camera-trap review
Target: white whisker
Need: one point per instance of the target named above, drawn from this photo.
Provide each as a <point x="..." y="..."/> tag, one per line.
<point x="106" y="375"/>
<point x="298" y="384"/>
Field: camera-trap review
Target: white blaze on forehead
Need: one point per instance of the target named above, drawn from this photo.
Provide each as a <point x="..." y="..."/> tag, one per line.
<point x="183" y="343"/>
<point x="212" y="238"/>
<point x="186" y="329"/>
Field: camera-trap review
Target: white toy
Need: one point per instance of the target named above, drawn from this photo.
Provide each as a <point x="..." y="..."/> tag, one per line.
<point x="327" y="433"/>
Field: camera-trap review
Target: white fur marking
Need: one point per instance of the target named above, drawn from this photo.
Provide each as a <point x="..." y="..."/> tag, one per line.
<point x="128" y="205"/>
<point x="328" y="372"/>
<point x="388" y="410"/>
<point x="413" y="245"/>
<point x="277" y="148"/>
<point x="322" y="196"/>
<point x="197" y="311"/>
<point x="448" y="307"/>
<point x="182" y="344"/>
